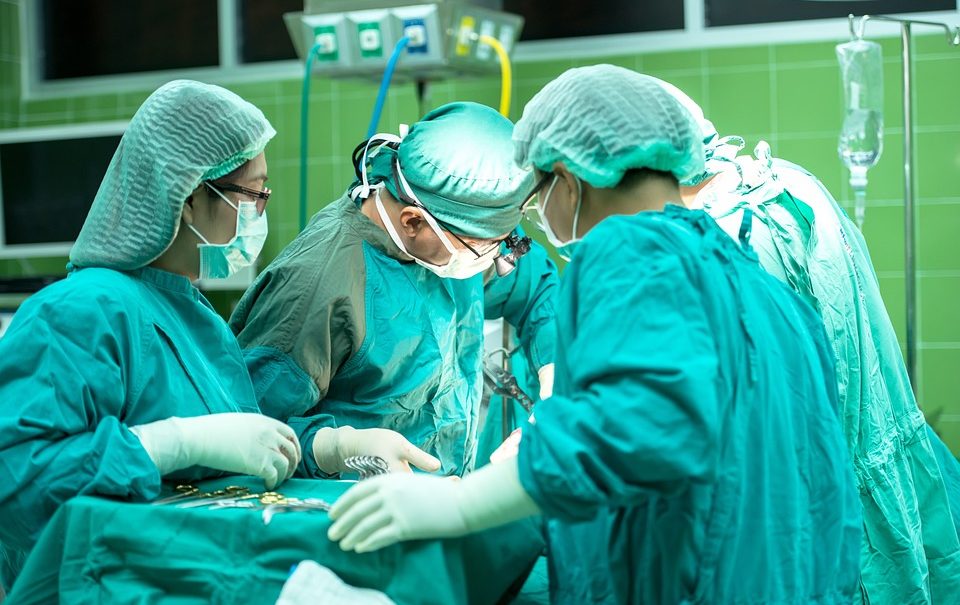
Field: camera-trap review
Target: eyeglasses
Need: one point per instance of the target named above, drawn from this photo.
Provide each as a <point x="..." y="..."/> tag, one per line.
<point x="531" y="210"/>
<point x="527" y="203"/>
<point x="260" y="197"/>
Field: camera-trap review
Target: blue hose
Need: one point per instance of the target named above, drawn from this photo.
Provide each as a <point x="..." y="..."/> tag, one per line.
<point x="304" y="132"/>
<point x="385" y="84"/>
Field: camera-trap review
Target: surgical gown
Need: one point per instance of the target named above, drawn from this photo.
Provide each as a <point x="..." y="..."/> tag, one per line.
<point x="910" y="552"/>
<point x="343" y="330"/>
<point x="692" y="451"/>
<point x="83" y="360"/>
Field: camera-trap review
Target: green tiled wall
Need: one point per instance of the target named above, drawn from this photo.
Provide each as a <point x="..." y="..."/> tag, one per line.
<point x="787" y="94"/>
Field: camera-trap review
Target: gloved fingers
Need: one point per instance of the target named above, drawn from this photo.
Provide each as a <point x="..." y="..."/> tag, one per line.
<point x="381" y="538"/>
<point x="355" y="494"/>
<point x="509" y="448"/>
<point x="294" y="441"/>
<point x="362" y="530"/>
<point x="273" y="468"/>
<point x="420" y="458"/>
<point x="399" y="465"/>
<point x="288" y="451"/>
<point x="347" y="519"/>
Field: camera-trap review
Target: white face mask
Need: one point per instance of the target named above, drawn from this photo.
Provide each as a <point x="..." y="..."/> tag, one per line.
<point x="463" y="264"/>
<point x="219" y="261"/>
<point x="564" y="248"/>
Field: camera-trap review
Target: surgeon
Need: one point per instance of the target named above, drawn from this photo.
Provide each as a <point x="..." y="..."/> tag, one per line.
<point x="373" y="317"/>
<point x="910" y="551"/>
<point x="122" y="373"/>
<point x="691" y="452"/>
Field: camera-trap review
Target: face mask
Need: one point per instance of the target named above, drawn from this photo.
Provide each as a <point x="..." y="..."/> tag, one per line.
<point x="219" y="261"/>
<point x="564" y="248"/>
<point x="463" y="264"/>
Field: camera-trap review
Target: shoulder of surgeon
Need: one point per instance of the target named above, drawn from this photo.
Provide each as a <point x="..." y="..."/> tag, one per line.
<point x="642" y="237"/>
<point x="324" y="262"/>
<point x="87" y="297"/>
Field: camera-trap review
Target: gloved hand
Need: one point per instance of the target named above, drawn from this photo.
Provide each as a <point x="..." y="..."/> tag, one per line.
<point x="509" y="448"/>
<point x="331" y="446"/>
<point x="545" y="374"/>
<point x="393" y="508"/>
<point x="248" y="444"/>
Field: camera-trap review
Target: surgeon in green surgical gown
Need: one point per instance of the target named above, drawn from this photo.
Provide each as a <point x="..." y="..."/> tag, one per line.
<point x="122" y="373"/>
<point x="373" y="317"/>
<point x="910" y="551"/>
<point x="692" y="450"/>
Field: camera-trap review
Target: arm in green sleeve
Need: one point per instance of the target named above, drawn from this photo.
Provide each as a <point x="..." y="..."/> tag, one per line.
<point x="296" y="332"/>
<point x="641" y="412"/>
<point x="65" y="380"/>
<point x="525" y="299"/>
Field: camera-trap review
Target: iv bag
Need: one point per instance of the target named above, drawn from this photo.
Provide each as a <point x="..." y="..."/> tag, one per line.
<point x="861" y="136"/>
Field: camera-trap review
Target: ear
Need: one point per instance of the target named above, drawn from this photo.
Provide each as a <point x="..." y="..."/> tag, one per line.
<point x="187" y="214"/>
<point x="567" y="185"/>
<point x="411" y="221"/>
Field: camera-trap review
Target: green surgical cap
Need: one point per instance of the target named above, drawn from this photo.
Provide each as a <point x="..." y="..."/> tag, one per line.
<point x="459" y="162"/>
<point x="183" y="134"/>
<point x="602" y="121"/>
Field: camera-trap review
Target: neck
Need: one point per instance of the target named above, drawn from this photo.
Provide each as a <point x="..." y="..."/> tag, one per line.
<point x="182" y="257"/>
<point x="652" y="194"/>
<point x="690" y="193"/>
<point x="368" y="208"/>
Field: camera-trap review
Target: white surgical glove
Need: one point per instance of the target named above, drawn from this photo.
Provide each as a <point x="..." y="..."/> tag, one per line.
<point x="331" y="446"/>
<point x="509" y="448"/>
<point x="393" y="508"/>
<point x="546" y="381"/>
<point x="248" y="444"/>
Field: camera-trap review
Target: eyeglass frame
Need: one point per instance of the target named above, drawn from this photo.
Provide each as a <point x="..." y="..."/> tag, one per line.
<point x="260" y="196"/>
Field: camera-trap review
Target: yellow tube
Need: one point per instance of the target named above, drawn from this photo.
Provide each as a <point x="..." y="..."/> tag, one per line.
<point x="506" y="77"/>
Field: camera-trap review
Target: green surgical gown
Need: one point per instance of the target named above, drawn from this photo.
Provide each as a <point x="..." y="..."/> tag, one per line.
<point x="910" y="552"/>
<point x="343" y="330"/>
<point x="692" y="451"/>
<point x="83" y="360"/>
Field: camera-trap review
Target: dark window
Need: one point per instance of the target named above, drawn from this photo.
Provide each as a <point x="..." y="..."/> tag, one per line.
<point x="105" y="37"/>
<point x="575" y="18"/>
<point x="263" y="33"/>
<point x="743" y="12"/>
<point x="48" y="186"/>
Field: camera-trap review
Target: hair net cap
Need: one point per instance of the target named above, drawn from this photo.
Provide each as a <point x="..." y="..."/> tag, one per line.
<point x="184" y="133"/>
<point x="602" y="121"/>
<point x="459" y="162"/>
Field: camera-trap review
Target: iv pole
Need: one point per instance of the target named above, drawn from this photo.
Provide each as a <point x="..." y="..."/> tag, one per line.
<point x="909" y="208"/>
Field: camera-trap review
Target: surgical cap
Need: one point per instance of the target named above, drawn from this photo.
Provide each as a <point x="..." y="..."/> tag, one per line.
<point x="602" y="121"/>
<point x="711" y="138"/>
<point x="458" y="160"/>
<point x="183" y="134"/>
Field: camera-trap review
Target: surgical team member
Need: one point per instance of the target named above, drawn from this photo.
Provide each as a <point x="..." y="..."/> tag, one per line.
<point x="122" y="373"/>
<point x="692" y="451"/>
<point x="373" y="317"/>
<point x="910" y="551"/>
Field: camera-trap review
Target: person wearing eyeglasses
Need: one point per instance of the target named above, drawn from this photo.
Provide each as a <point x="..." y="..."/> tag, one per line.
<point x="692" y="451"/>
<point x="373" y="317"/>
<point x="122" y="373"/>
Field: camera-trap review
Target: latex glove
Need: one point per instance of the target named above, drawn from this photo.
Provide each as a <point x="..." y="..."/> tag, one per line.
<point x="393" y="508"/>
<point x="331" y="446"/>
<point x="509" y="448"/>
<point x="546" y="381"/>
<point x="248" y="444"/>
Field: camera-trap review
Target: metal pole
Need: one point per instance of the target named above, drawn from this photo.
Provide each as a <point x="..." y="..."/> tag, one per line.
<point x="507" y="342"/>
<point x="909" y="209"/>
